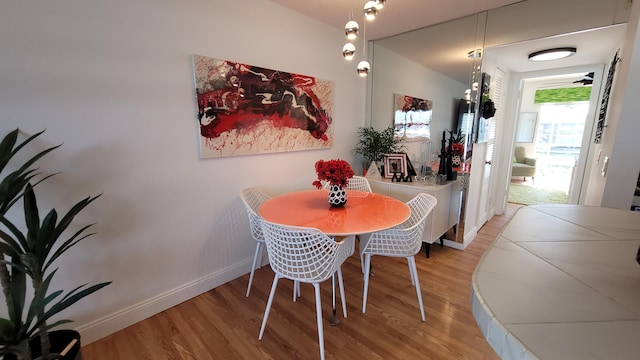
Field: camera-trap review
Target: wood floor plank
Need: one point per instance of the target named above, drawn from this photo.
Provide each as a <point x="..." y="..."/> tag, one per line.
<point x="223" y="324"/>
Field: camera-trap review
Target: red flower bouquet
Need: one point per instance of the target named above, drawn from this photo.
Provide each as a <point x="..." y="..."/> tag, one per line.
<point x="457" y="149"/>
<point x="336" y="172"/>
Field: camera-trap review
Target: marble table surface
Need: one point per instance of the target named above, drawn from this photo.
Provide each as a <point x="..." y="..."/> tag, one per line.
<point x="562" y="282"/>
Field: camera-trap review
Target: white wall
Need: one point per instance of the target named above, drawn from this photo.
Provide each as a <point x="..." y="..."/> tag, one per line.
<point x="112" y="80"/>
<point x="619" y="140"/>
<point x="528" y="105"/>
<point x="399" y="75"/>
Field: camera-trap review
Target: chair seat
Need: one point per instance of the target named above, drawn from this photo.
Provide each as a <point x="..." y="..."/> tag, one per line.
<point x="404" y="240"/>
<point x="523" y="170"/>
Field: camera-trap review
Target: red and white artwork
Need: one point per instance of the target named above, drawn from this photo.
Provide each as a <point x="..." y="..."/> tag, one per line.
<point x="245" y="109"/>
<point x="412" y="117"/>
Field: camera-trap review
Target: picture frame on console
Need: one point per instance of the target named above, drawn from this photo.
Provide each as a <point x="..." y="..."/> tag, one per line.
<point x="395" y="165"/>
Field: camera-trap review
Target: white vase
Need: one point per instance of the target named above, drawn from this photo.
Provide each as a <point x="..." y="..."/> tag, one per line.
<point x="337" y="196"/>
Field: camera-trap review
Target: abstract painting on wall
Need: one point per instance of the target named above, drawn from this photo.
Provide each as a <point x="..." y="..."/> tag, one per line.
<point x="412" y="117"/>
<point x="245" y="109"/>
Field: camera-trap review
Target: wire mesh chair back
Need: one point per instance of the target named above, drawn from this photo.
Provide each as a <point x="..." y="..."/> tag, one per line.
<point x="253" y="198"/>
<point x="355" y="183"/>
<point x="304" y="254"/>
<point x="405" y="239"/>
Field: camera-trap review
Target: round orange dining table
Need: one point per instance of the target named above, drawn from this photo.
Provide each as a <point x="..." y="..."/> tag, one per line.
<point x="363" y="213"/>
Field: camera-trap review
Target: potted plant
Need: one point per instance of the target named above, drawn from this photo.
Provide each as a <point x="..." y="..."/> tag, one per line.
<point x="31" y="252"/>
<point x="373" y="144"/>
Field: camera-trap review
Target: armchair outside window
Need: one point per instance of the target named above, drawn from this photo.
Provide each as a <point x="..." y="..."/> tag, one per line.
<point x="522" y="165"/>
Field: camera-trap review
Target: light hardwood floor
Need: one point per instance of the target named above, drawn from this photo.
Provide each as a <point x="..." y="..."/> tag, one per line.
<point x="224" y="324"/>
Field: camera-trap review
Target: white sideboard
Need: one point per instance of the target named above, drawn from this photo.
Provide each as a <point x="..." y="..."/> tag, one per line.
<point x="443" y="217"/>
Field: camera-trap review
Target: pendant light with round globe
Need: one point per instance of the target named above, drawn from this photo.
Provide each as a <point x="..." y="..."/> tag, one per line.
<point x="370" y="10"/>
<point x="349" y="51"/>
<point x="380" y="4"/>
<point x="351" y="29"/>
<point x="363" y="68"/>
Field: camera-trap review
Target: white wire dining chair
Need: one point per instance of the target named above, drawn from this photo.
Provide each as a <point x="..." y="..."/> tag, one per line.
<point x="404" y="240"/>
<point x="253" y="198"/>
<point x="305" y="255"/>
<point x="355" y="183"/>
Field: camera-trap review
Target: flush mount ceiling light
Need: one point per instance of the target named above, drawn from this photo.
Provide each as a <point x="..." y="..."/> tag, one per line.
<point x="370" y="10"/>
<point x="552" y="54"/>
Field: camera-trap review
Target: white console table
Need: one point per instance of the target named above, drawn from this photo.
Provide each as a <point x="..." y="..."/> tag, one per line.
<point x="443" y="217"/>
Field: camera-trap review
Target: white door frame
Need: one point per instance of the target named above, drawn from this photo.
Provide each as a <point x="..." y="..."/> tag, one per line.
<point x="508" y="135"/>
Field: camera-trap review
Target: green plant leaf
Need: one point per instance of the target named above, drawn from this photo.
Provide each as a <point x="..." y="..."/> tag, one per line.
<point x="74" y="296"/>
<point x="30" y="252"/>
<point x="17" y="294"/>
<point x="17" y="243"/>
<point x="12" y="184"/>
<point x="68" y="217"/>
<point x="67" y="245"/>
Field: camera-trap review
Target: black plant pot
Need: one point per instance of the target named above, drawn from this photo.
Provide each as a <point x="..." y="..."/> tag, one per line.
<point x="60" y="340"/>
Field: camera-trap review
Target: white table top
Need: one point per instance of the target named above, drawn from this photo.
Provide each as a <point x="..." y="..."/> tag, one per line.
<point x="562" y="282"/>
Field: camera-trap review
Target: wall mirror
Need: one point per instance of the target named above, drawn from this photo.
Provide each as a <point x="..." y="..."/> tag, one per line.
<point x="426" y="63"/>
<point x="447" y="81"/>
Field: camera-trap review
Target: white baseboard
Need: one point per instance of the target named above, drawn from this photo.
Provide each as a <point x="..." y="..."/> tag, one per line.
<point x="453" y="244"/>
<point x="469" y="236"/>
<point x="119" y="320"/>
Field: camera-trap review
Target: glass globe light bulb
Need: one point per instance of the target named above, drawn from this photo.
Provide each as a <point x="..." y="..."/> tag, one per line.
<point x="351" y="30"/>
<point x="380" y="4"/>
<point x="349" y="51"/>
<point x="370" y="10"/>
<point x="363" y="68"/>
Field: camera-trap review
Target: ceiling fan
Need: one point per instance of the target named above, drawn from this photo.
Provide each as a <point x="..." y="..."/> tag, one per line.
<point x="587" y="79"/>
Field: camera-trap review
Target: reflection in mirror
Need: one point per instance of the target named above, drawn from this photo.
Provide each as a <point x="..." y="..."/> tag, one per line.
<point x="440" y="63"/>
<point x="412" y="117"/>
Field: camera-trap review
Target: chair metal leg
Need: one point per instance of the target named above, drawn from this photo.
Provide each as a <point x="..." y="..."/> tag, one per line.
<point x="343" y="299"/>
<point x="412" y="275"/>
<point x="367" y="270"/>
<point x="412" y="265"/>
<point x="296" y="290"/>
<point x="269" y="302"/>
<point x="333" y="320"/>
<point x="319" y="320"/>
<point x="258" y="254"/>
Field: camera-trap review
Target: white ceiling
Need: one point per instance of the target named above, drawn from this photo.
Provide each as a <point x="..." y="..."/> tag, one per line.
<point x="514" y="57"/>
<point x="400" y="17"/>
